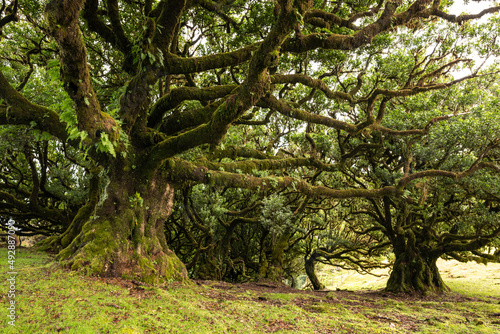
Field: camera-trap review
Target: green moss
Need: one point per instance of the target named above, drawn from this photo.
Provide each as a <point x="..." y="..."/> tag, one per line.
<point x="92" y="251"/>
<point x="49" y="244"/>
<point x="123" y="241"/>
<point x="263" y="269"/>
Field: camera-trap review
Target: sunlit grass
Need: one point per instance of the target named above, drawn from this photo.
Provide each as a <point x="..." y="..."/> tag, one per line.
<point x="460" y="277"/>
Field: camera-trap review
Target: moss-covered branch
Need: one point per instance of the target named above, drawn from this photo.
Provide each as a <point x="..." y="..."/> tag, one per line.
<point x="178" y="95"/>
<point x="183" y="170"/>
<point x="167" y="22"/>
<point x="135" y="101"/>
<point x="215" y="7"/>
<point x="454" y="175"/>
<point x="96" y="25"/>
<point x="180" y="65"/>
<point x="313" y="83"/>
<point x="180" y="121"/>
<point x="420" y="9"/>
<point x="464" y="17"/>
<point x="116" y="24"/>
<point x="320" y="18"/>
<point x="20" y="111"/>
<point x="234" y="152"/>
<point x="348" y="42"/>
<point x="112" y="34"/>
<point x="473" y="245"/>
<point x="40" y="212"/>
<point x="250" y="166"/>
<point x="33" y="199"/>
<point x="256" y="85"/>
<point x="62" y="18"/>
<point x="286" y="110"/>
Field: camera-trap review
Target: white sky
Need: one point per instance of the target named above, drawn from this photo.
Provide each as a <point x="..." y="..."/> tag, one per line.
<point x="473" y="7"/>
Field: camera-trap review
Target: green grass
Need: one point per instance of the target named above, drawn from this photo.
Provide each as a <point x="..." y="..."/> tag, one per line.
<point x="51" y="300"/>
<point x="460" y="277"/>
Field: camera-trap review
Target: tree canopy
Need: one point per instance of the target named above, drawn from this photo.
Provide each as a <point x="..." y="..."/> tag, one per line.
<point x="230" y="138"/>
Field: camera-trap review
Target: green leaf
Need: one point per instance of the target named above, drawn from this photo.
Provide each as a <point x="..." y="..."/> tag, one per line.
<point x="105" y="145"/>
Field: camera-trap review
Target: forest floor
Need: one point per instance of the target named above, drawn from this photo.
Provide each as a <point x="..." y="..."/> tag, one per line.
<point x="51" y="300"/>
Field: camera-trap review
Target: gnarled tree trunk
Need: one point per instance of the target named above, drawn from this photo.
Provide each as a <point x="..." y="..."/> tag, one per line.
<point x="122" y="235"/>
<point x="272" y="268"/>
<point x="311" y="272"/>
<point x="414" y="270"/>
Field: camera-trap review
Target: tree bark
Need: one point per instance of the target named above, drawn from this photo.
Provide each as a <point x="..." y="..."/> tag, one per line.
<point x="311" y="272"/>
<point x="414" y="270"/>
<point x="272" y="268"/>
<point x="123" y="236"/>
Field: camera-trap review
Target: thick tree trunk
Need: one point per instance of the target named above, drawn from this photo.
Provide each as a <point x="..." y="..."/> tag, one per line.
<point x="311" y="272"/>
<point x="413" y="270"/>
<point x="273" y="268"/>
<point x="123" y="236"/>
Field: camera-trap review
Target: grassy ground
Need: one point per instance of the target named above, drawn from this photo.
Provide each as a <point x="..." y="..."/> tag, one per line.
<point x="461" y="277"/>
<point x="51" y="300"/>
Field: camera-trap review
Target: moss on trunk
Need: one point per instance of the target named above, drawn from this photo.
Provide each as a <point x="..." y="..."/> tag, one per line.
<point x="123" y="235"/>
<point x="311" y="272"/>
<point x="414" y="270"/>
<point x="273" y="269"/>
<point x="416" y="275"/>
